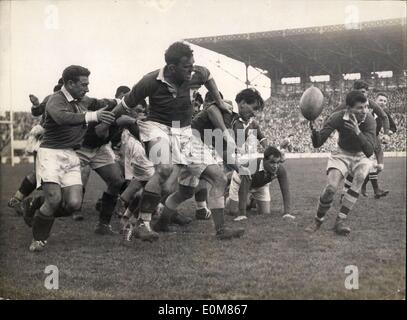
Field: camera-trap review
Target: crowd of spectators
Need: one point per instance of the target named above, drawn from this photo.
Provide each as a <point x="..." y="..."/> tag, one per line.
<point x="280" y="120"/>
<point x="284" y="125"/>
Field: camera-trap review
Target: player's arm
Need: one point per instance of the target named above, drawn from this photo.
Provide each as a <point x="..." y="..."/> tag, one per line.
<point x="319" y="137"/>
<point x="367" y="137"/>
<point x="393" y="126"/>
<point x="282" y="177"/>
<point x="382" y="115"/>
<point x="37" y="108"/>
<point x="210" y="84"/>
<point x="216" y="117"/>
<point x="139" y="92"/>
<point x="57" y="109"/>
<point x="260" y="136"/>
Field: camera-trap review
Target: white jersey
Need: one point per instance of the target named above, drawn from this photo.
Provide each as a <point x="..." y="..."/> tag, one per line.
<point x="136" y="163"/>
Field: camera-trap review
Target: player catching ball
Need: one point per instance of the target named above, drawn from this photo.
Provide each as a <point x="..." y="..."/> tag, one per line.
<point x="357" y="137"/>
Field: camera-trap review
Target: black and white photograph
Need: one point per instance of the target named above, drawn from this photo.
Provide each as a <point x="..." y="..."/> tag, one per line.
<point x="224" y="151"/>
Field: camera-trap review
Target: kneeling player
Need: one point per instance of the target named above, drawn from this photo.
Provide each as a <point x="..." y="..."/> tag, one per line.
<point x="267" y="169"/>
<point x="357" y="130"/>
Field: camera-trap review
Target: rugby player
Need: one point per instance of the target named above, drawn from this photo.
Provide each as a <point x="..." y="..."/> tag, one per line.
<point x="381" y="117"/>
<point x="167" y="133"/>
<point x="267" y="169"/>
<point x="357" y="137"/>
<point x="58" y="165"/>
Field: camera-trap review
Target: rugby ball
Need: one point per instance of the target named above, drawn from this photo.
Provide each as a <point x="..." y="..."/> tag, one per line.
<point x="311" y="103"/>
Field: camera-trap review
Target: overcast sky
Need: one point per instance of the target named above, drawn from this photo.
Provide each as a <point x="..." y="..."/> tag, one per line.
<point x="120" y="41"/>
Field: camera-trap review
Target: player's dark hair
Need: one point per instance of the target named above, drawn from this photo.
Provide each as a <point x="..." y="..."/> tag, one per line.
<point x="176" y="51"/>
<point x="74" y="72"/>
<point x="57" y="87"/>
<point x="272" y="151"/>
<point x="209" y="98"/>
<point x="360" y="84"/>
<point x="382" y="94"/>
<point x="121" y="90"/>
<point x="250" y="96"/>
<point x="354" y="97"/>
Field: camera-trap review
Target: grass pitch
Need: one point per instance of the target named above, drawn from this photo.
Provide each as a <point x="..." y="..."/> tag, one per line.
<point x="276" y="259"/>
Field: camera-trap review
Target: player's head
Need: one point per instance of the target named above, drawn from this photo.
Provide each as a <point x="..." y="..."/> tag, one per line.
<point x="180" y="61"/>
<point x="382" y="100"/>
<point x="197" y="102"/>
<point x="121" y="91"/>
<point x="140" y="110"/>
<point x="249" y="101"/>
<point x="362" y="86"/>
<point x="76" y="80"/>
<point x="272" y="159"/>
<point x="356" y="102"/>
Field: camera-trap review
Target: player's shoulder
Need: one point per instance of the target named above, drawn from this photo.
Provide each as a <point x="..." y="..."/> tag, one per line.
<point x="57" y="97"/>
<point x="151" y="76"/>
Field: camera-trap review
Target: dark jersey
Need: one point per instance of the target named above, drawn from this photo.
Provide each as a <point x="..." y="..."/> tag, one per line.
<point x="167" y="103"/>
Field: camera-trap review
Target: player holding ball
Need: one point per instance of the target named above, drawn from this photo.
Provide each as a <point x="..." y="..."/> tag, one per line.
<point x="357" y="129"/>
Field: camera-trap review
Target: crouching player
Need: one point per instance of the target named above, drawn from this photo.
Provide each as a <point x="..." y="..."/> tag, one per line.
<point x="267" y="169"/>
<point x="356" y="143"/>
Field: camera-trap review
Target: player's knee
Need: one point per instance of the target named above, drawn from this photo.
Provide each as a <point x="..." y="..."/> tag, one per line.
<point x="53" y="200"/>
<point x="330" y="191"/>
<point x="73" y="205"/>
<point x="164" y="171"/>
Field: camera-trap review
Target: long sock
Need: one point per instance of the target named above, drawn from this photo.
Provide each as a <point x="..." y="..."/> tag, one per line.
<point x="373" y="177"/>
<point x="348" y="183"/>
<point x="62" y="212"/>
<point x="27" y="187"/>
<point x="148" y="203"/>
<point x="365" y="182"/>
<point x="218" y="218"/>
<point x="348" y="202"/>
<point x="42" y="225"/>
<point x="323" y="207"/>
<point x="108" y="205"/>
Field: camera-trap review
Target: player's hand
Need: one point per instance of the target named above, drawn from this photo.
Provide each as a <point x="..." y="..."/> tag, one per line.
<point x="104" y="116"/>
<point x="224" y="106"/>
<point x="379" y="167"/>
<point x="352" y="124"/>
<point x="125" y="120"/>
<point x="385" y="139"/>
<point x="34" y="100"/>
<point x="102" y="130"/>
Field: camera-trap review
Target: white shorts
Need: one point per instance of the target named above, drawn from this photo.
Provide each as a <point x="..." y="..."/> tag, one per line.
<point x="136" y="164"/>
<point x="177" y="146"/>
<point x="61" y="166"/>
<point x="348" y="162"/>
<point x="259" y="194"/>
<point x="96" y="157"/>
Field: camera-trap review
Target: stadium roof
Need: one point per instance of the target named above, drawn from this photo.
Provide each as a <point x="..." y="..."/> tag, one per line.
<point x="335" y="50"/>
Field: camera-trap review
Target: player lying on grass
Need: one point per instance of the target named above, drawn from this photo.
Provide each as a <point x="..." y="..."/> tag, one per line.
<point x="266" y="169"/>
<point x="357" y="137"/>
